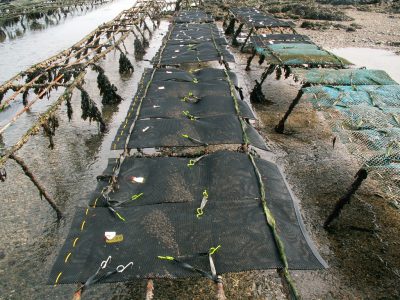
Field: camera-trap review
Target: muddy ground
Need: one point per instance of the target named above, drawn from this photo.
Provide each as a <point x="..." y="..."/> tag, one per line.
<point x="369" y="29"/>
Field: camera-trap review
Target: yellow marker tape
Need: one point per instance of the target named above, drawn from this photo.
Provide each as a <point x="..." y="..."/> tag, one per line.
<point x="166" y="257"/>
<point x="205" y="194"/>
<point x="95" y="202"/>
<point x="74" y="243"/>
<point x="83" y="225"/>
<point x="214" y="249"/>
<point x="185" y="136"/>
<point x="66" y="259"/>
<point x="87" y="211"/>
<point x="58" y="278"/>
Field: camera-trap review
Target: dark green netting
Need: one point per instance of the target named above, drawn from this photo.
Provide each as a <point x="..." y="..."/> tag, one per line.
<point x="379" y="96"/>
<point x="380" y="139"/>
<point x="342" y="76"/>
<point x="253" y="17"/>
<point x="193" y="16"/>
<point x="293" y="54"/>
<point x="173" y="229"/>
<point x="224" y="129"/>
<point x="262" y="40"/>
<point x="368" y="117"/>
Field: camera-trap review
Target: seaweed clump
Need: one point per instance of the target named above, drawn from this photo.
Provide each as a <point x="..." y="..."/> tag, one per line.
<point x="90" y="110"/>
<point x="107" y="90"/>
<point x="139" y="49"/>
<point x="125" y="66"/>
<point x="49" y="128"/>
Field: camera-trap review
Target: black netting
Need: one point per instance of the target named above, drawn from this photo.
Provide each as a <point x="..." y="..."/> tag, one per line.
<point x="206" y="107"/>
<point x="206" y="51"/>
<point x="191" y="43"/>
<point x="178" y="102"/>
<point x="193" y="16"/>
<point x="226" y="176"/>
<point x="255" y="18"/>
<point x="153" y="209"/>
<point x="150" y="133"/>
<point x="195" y="34"/>
<point x="173" y="229"/>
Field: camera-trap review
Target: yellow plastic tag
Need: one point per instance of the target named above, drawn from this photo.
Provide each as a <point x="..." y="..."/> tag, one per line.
<point x="116" y="239"/>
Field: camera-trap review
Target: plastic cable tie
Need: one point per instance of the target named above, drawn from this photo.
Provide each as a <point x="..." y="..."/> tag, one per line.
<point x="199" y="212"/>
<point x="214" y="249"/>
<point x="137" y="196"/>
<point x="166" y="257"/>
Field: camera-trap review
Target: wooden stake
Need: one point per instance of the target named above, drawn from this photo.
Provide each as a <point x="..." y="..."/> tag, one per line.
<point x="220" y="290"/>
<point x="149" y="290"/>
<point x="38" y="185"/>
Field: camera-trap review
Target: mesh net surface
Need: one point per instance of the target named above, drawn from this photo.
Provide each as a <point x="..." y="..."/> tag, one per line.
<point x="225" y="175"/>
<point x="342" y="77"/>
<point x="255" y="18"/>
<point x="191" y="43"/>
<point x="293" y="54"/>
<point x="154" y="133"/>
<point x="378" y="96"/>
<point x="154" y="208"/>
<point x="193" y="16"/>
<point x="237" y="224"/>
<point x="198" y="104"/>
<point x="366" y="118"/>
<point x="263" y="40"/>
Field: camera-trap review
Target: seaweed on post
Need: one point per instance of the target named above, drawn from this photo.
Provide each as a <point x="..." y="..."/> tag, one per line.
<point x="49" y="128"/>
<point x="125" y="66"/>
<point x="90" y="110"/>
<point x="107" y="90"/>
<point x="139" y="49"/>
<point x="69" y="107"/>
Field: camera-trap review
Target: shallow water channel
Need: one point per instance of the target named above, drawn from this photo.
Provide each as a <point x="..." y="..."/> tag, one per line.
<point x="377" y="59"/>
<point x="20" y="53"/>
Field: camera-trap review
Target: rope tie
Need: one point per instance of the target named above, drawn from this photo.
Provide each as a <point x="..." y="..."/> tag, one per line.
<point x="210" y="275"/>
<point x="199" y="210"/>
<point x="186" y="136"/>
<point x="192" y="162"/>
<point x="189" y="115"/>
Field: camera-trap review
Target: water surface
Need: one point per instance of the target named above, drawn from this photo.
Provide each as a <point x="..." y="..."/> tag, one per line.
<point x="35" y="46"/>
<point x="372" y="59"/>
